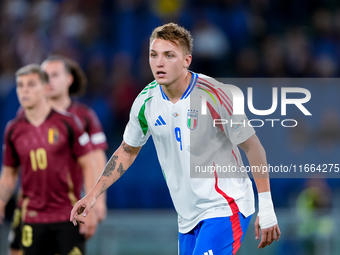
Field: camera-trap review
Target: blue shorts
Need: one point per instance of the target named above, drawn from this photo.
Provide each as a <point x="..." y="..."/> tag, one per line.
<point x="215" y="236"/>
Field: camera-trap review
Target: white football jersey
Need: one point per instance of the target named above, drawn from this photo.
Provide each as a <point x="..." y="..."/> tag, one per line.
<point x="193" y="153"/>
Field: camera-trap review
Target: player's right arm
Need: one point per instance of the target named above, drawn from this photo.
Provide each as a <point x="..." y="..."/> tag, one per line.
<point x="120" y="161"/>
<point x="8" y="180"/>
<point x="135" y="136"/>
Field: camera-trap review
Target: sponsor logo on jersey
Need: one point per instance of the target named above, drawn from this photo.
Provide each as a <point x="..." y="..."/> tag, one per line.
<point x="192" y="119"/>
<point x="175" y="114"/>
<point x="53" y="135"/>
<point x="160" y="121"/>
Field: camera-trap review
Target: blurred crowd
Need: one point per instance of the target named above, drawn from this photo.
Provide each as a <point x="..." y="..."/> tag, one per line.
<point x="232" y="38"/>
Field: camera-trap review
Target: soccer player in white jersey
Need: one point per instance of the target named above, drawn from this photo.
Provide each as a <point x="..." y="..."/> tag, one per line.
<point x="213" y="213"/>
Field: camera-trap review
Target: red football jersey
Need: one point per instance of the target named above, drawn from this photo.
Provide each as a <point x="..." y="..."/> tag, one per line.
<point x="90" y="121"/>
<point x="91" y="124"/>
<point x="51" y="178"/>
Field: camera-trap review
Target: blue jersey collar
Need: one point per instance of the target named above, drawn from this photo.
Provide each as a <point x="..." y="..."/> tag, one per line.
<point x="188" y="90"/>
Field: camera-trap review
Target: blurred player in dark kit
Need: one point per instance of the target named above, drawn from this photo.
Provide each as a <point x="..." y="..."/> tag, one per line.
<point x="66" y="78"/>
<point x="52" y="151"/>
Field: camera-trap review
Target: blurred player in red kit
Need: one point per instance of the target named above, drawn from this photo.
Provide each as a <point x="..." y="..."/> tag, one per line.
<point x="66" y="78"/>
<point x="53" y="152"/>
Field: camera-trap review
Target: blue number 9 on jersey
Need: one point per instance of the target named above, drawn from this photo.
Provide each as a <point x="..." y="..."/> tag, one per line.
<point x="178" y="136"/>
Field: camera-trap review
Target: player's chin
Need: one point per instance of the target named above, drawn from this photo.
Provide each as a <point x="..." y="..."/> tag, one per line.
<point x="26" y="105"/>
<point x="53" y="94"/>
<point x="162" y="81"/>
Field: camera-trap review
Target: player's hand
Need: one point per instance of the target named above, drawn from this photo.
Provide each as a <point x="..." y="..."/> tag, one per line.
<point x="81" y="209"/>
<point x="89" y="227"/>
<point x="100" y="210"/>
<point x="268" y="235"/>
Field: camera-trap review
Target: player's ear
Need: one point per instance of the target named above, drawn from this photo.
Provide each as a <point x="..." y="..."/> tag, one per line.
<point x="70" y="79"/>
<point x="187" y="60"/>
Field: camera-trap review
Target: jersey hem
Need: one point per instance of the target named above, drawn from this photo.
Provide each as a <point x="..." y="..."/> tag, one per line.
<point x="212" y="214"/>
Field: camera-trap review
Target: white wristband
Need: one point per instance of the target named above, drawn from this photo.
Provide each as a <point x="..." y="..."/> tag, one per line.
<point x="266" y="213"/>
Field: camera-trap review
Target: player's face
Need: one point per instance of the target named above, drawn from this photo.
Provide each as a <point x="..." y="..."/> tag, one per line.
<point x="30" y="90"/>
<point x="168" y="62"/>
<point x="59" y="79"/>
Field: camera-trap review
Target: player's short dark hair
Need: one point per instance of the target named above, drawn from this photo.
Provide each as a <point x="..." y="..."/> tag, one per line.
<point x="175" y="34"/>
<point x="78" y="86"/>
<point x="30" y="69"/>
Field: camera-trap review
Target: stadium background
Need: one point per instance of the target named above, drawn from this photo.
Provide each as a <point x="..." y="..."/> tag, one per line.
<point x="232" y="38"/>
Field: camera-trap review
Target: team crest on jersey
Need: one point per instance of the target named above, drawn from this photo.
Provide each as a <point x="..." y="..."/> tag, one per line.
<point x="192" y="119"/>
<point x="53" y="135"/>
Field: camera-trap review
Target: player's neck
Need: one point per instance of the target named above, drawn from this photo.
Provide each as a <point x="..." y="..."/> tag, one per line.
<point x="61" y="103"/>
<point x="176" y="90"/>
<point x="37" y="115"/>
